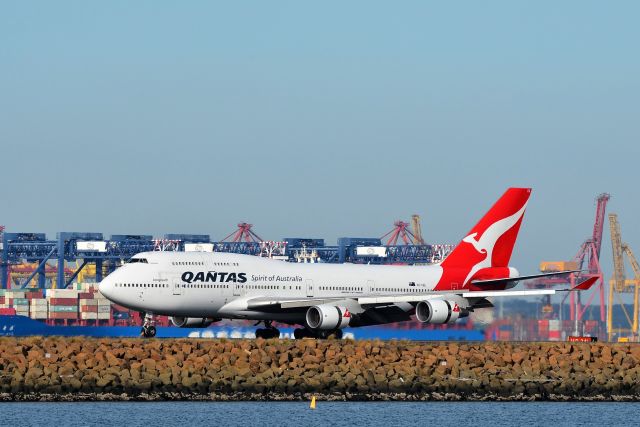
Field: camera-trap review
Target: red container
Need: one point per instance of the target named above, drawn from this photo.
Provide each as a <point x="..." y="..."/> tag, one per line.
<point x="1" y="300"/>
<point x="7" y="311"/>
<point x="33" y="294"/>
<point x="504" y="335"/>
<point x="89" y="308"/>
<point x="86" y="295"/>
<point x="63" y="301"/>
<point x="543" y="325"/>
<point x="62" y="315"/>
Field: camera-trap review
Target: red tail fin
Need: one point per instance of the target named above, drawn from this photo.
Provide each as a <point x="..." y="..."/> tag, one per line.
<point x="490" y="242"/>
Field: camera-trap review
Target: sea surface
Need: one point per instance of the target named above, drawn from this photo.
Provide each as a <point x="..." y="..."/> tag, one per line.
<point x="342" y="414"/>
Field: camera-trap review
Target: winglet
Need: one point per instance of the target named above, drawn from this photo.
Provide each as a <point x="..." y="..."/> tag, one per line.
<point x="586" y="284"/>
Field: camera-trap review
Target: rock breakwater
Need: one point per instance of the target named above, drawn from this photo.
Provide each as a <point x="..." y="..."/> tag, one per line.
<point x="56" y="368"/>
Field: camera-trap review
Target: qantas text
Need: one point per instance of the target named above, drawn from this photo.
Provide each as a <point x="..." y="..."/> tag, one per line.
<point x="213" y="276"/>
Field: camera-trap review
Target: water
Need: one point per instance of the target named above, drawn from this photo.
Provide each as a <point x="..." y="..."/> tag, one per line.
<point x="182" y="414"/>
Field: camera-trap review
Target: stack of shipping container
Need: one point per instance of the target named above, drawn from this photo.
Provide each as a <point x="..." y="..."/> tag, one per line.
<point x="82" y="302"/>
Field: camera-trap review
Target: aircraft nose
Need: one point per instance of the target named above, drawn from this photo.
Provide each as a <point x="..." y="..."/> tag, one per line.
<point x="106" y="287"/>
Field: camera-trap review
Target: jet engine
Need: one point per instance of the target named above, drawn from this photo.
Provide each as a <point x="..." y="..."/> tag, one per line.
<point x="439" y="311"/>
<point x="192" y="322"/>
<point x="328" y="317"/>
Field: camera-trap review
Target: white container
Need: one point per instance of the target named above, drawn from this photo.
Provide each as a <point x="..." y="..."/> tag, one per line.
<point x="103" y="301"/>
<point x="88" y="316"/>
<point x="37" y="302"/>
<point x="104" y="309"/>
<point x="62" y="293"/>
<point x="88" y="301"/>
<point x="103" y="316"/>
<point x="15" y="294"/>
<point x="38" y="315"/>
<point x="554" y="324"/>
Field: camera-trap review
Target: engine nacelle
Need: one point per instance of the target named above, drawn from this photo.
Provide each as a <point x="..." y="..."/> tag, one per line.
<point x="328" y="317"/>
<point x="192" y="322"/>
<point x="439" y="311"/>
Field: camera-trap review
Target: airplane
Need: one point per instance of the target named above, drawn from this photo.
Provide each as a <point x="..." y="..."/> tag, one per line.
<point x="197" y="289"/>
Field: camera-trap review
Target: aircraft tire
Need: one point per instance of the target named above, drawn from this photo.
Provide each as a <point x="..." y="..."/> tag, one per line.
<point x="148" y="331"/>
<point x="300" y="333"/>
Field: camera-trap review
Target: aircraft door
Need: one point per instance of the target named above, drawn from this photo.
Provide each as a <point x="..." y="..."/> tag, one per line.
<point x="309" y="286"/>
<point x="370" y="286"/>
<point x="177" y="287"/>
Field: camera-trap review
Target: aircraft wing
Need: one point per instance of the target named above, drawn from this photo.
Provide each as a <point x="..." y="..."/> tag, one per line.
<point x="262" y="303"/>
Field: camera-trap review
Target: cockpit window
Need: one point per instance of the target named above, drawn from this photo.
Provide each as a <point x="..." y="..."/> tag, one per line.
<point x="142" y="260"/>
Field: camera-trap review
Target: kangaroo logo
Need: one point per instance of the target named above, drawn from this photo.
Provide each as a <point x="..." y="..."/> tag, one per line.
<point x="487" y="241"/>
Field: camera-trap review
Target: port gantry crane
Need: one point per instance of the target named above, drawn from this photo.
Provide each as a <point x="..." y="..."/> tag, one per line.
<point x="417" y="230"/>
<point x="619" y="284"/>
<point x="588" y="261"/>
<point x="400" y="231"/>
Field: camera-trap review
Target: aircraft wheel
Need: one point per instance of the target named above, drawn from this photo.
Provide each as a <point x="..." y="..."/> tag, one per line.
<point x="148" y="331"/>
<point x="274" y="333"/>
<point x="300" y="333"/>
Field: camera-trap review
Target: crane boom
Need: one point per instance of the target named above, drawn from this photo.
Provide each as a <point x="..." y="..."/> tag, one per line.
<point x="618" y="260"/>
<point x="632" y="260"/>
<point x="417" y="230"/>
<point x="599" y="223"/>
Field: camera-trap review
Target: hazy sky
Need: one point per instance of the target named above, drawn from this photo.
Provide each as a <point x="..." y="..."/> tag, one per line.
<point x="319" y="119"/>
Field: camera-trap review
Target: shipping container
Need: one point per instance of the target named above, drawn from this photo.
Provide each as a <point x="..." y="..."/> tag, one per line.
<point x="104" y="316"/>
<point x="63" y="301"/>
<point x="33" y="294"/>
<point x="20" y="301"/>
<point x="63" y="315"/>
<point x="551" y="266"/>
<point x="62" y="293"/>
<point x="88" y="308"/>
<point x="554" y="335"/>
<point x="88" y="302"/>
<point x="39" y="315"/>
<point x="89" y="316"/>
<point x="15" y="294"/>
<point x="63" y="308"/>
<point x="104" y="309"/>
<point x="554" y="325"/>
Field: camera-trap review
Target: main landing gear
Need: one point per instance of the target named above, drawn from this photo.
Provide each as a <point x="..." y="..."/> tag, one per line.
<point x="301" y="333"/>
<point x="269" y="332"/>
<point x="148" y="327"/>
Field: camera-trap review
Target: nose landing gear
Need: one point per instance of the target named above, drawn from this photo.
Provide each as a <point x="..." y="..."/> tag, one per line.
<point x="269" y="332"/>
<point x="148" y="326"/>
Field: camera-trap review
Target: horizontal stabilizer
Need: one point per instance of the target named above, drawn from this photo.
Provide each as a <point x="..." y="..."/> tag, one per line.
<point x="519" y="278"/>
<point x="586" y="284"/>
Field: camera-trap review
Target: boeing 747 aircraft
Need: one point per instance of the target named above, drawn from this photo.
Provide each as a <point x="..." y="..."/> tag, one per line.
<point x="197" y="289"/>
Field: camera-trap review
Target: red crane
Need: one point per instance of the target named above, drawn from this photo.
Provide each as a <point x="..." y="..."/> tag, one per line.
<point x="243" y="234"/>
<point x="588" y="261"/>
<point x="400" y="231"/>
<point x="589" y="253"/>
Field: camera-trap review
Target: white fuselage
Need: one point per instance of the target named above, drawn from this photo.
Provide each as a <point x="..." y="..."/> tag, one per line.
<point x="218" y="285"/>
